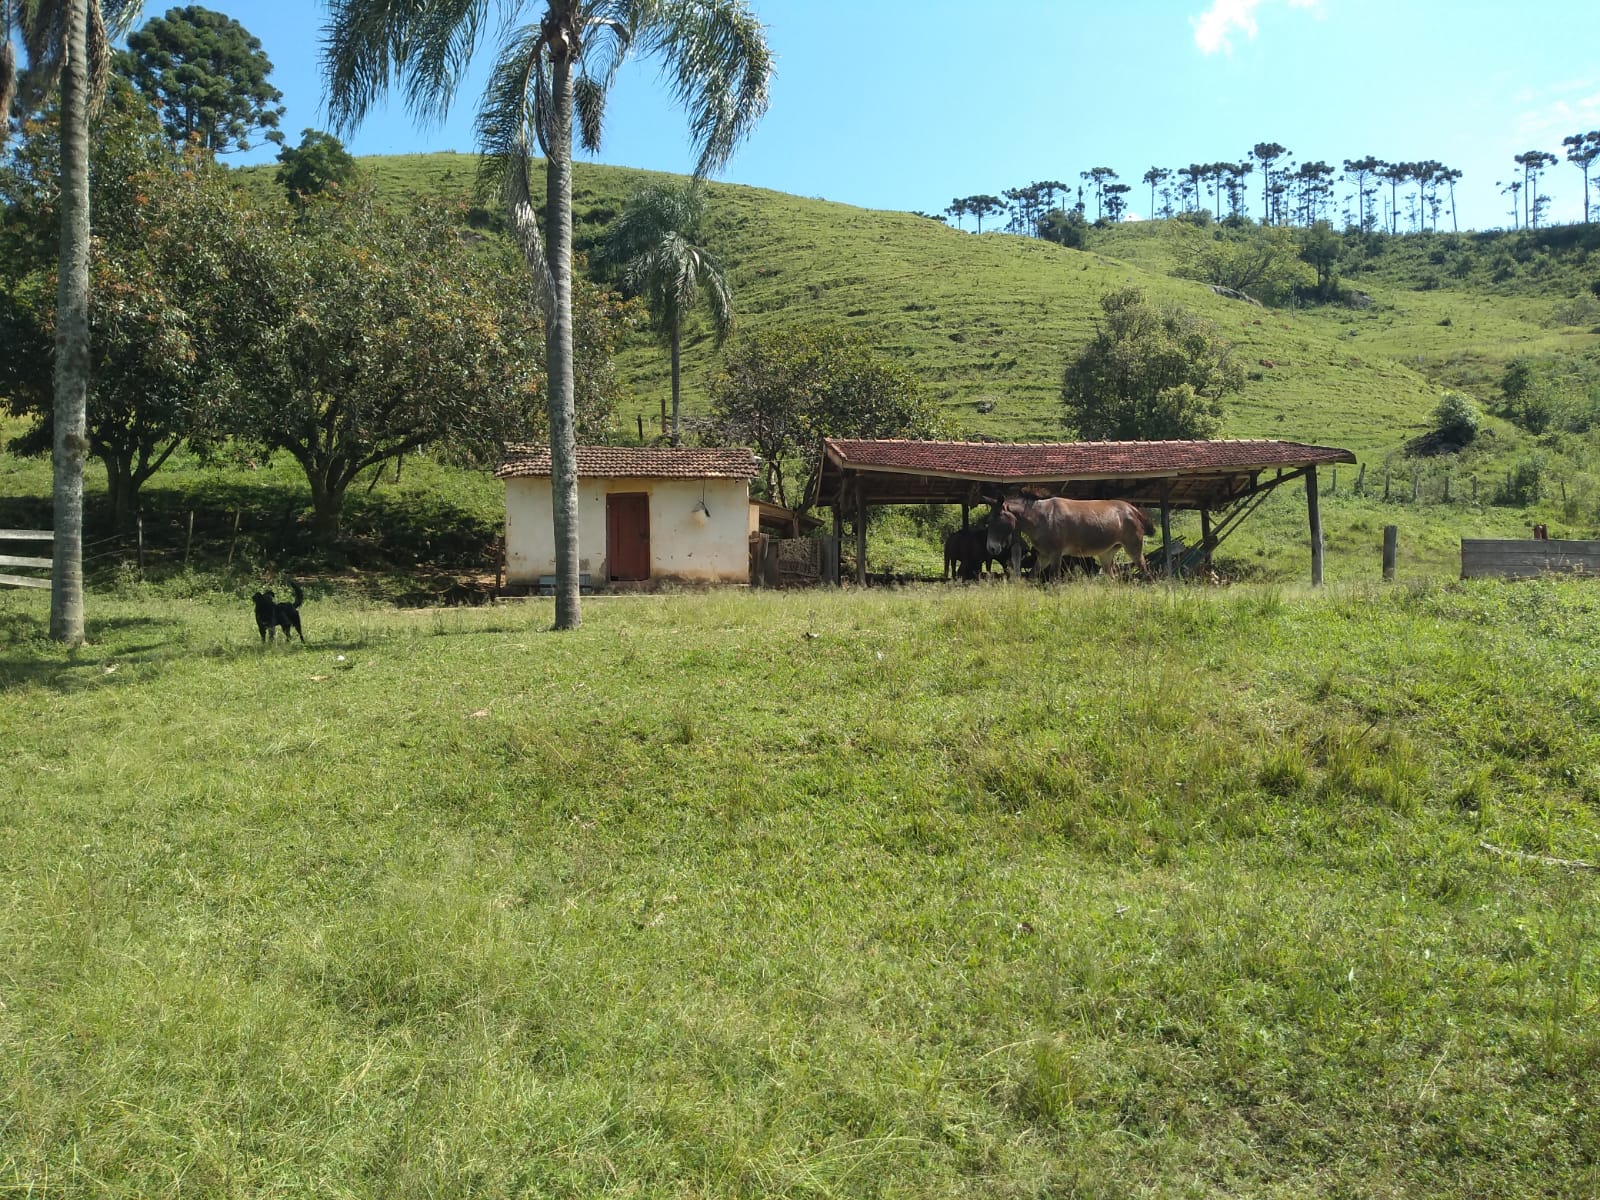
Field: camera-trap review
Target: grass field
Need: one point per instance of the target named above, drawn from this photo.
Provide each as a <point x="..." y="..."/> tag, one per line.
<point x="1092" y="891"/>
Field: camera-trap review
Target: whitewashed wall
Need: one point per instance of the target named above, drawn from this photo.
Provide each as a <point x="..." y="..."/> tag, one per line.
<point x="681" y="548"/>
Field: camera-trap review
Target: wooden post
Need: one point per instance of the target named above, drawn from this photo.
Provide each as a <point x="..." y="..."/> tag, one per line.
<point x="1361" y="480"/>
<point x="1314" y="516"/>
<point x="966" y="516"/>
<point x="861" y="534"/>
<point x="1386" y="485"/>
<point x="1447" y="487"/>
<point x="1416" y="484"/>
<point x="1391" y="549"/>
<point x="139" y="522"/>
<point x="188" y="540"/>
<point x="1333" y="484"/>
<point x="233" y="544"/>
<point x="1205" y="535"/>
<point x="1166" y="529"/>
<point x="663" y="416"/>
<point x="838" y="538"/>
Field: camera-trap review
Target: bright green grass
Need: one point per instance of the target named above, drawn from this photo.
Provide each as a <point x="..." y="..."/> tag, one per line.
<point x="1100" y="890"/>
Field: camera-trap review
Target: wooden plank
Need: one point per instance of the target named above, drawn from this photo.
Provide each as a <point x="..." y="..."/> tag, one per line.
<point x="18" y="560"/>
<point x="1526" y="558"/>
<point x="20" y="581"/>
<point x="26" y="535"/>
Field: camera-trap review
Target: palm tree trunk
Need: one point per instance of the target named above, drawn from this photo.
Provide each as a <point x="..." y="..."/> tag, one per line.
<point x="677" y="437"/>
<point x="558" y="346"/>
<point x="72" y="335"/>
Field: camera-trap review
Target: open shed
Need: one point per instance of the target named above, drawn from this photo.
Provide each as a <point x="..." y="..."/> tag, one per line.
<point x="1223" y="481"/>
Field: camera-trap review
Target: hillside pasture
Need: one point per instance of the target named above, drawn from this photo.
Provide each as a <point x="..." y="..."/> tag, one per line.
<point x="1095" y="890"/>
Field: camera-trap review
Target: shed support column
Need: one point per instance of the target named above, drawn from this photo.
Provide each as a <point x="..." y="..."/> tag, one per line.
<point x="1205" y="535"/>
<point x="1166" y="530"/>
<point x="1314" y="516"/>
<point x="838" y="538"/>
<point x="861" y="534"/>
<point x="966" y="516"/>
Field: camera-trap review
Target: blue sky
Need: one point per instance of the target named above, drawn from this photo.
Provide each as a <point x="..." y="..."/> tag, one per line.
<point x="901" y="105"/>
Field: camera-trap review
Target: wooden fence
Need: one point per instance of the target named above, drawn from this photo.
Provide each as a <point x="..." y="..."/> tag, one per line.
<point x="1508" y="558"/>
<point x="23" y="560"/>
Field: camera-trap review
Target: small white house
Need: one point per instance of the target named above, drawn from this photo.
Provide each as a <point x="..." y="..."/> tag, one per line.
<point x="645" y="514"/>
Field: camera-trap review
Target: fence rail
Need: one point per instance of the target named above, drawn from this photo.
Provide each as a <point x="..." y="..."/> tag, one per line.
<point x="1525" y="559"/>
<point x="25" y="560"/>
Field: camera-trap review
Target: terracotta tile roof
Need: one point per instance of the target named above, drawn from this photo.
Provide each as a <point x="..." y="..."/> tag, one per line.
<point x="1064" y="460"/>
<point x="635" y="462"/>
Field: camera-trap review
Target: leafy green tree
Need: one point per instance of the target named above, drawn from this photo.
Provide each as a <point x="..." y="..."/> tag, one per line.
<point x="68" y="45"/>
<point x="1582" y="150"/>
<point x="654" y="249"/>
<point x="1262" y="262"/>
<point x="1066" y="227"/>
<point x="166" y="219"/>
<point x="1155" y="176"/>
<point x="1533" y="164"/>
<point x="1456" y="419"/>
<point x="1150" y="372"/>
<point x="783" y="390"/>
<point x="363" y="333"/>
<point x="984" y="206"/>
<point x="207" y="75"/>
<point x="557" y="60"/>
<point x="1321" y="248"/>
<point x="318" y="166"/>
<point x="1361" y="172"/>
<point x="1267" y="153"/>
<point x="957" y="208"/>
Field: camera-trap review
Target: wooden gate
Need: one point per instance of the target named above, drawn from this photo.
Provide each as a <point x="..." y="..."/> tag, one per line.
<point x="628" y="536"/>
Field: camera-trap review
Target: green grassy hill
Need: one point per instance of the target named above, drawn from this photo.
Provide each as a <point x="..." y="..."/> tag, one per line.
<point x="991" y="320"/>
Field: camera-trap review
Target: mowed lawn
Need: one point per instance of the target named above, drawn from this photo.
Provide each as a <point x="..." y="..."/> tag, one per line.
<point x="1099" y="890"/>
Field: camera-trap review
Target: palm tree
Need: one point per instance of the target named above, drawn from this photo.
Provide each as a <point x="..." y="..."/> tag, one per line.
<point x="654" y="247"/>
<point x="67" y="44"/>
<point x="558" y="66"/>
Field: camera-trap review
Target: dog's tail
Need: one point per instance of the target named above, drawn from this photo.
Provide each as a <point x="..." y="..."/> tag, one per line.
<point x="299" y="596"/>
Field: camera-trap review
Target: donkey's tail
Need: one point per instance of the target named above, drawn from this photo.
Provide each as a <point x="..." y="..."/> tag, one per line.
<point x="1146" y="525"/>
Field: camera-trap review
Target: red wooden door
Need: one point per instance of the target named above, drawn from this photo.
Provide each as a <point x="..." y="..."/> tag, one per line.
<point x="628" y="535"/>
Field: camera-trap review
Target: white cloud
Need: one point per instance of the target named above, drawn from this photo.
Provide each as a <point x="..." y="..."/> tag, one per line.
<point x="1566" y="108"/>
<point x="1214" y="28"/>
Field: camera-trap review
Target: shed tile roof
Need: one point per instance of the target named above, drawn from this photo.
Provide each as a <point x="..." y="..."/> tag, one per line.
<point x="635" y="462"/>
<point x="1062" y="460"/>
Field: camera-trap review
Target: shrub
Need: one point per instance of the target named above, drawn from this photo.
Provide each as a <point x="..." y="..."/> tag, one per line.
<point x="1524" y="483"/>
<point x="1456" y="419"/>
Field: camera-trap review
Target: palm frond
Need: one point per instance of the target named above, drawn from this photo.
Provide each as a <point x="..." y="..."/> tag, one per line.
<point x="719" y="68"/>
<point x="589" y="105"/>
<point x="421" y="46"/>
<point x="518" y="96"/>
<point x="525" y="227"/>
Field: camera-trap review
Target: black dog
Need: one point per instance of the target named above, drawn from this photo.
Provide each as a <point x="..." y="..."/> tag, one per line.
<point x="272" y="616"/>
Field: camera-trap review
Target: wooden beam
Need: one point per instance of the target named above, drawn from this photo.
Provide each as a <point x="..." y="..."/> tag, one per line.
<point x="838" y="537"/>
<point x="1314" y="517"/>
<point x="21" y="560"/>
<point x="20" y="581"/>
<point x="861" y="535"/>
<point x="1166" y="528"/>
<point x="1205" y="535"/>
